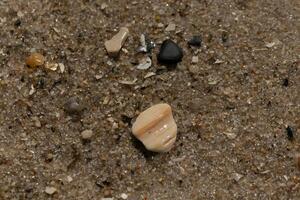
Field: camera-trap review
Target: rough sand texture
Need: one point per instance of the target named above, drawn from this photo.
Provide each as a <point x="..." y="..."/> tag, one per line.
<point x="231" y="107"/>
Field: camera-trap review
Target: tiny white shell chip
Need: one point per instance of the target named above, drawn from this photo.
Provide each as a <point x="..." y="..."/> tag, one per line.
<point x="171" y="27"/>
<point x="146" y="63"/>
<point x="156" y="128"/>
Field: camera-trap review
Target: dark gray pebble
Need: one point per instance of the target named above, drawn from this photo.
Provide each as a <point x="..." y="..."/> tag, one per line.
<point x="73" y="106"/>
<point x="170" y="53"/>
<point x="196" y="41"/>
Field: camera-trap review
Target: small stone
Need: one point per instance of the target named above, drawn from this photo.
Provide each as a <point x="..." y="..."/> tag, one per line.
<point x="224" y="36"/>
<point x="110" y="119"/>
<point x="32" y="90"/>
<point x="285" y="82"/>
<point x="49" y="157"/>
<point x="114" y="45"/>
<point x="86" y="134"/>
<point x="51" y="66"/>
<point x="37" y="122"/>
<point x="18" y="22"/>
<point x="237" y="176"/>
<point x="290" y="133"/>
<point x="195" y="59"/>
<point x="160" y="25"/>
<point x="146" y="63"/>
<point x="125" y="50"/>
<point x="69" y="179"/>
<point x="20" y="14"/>
<point x="73" y="106"/>
<point x="196" y="41"/>
<point x="104" y="6"/>
<point x="106" y="100"/>
<point x="61" y="67"/>
<point x="35" y="60"/>
<point x="156" y="128"/>
<point x="109" y="63"/>
<point x="171" y="27"/>
<point x="124" y="196"/>
<point x="115" y="126"/>
<point x="98" y="76"/>
<point x="170" y="53"/>
<point x="50" y="190"/>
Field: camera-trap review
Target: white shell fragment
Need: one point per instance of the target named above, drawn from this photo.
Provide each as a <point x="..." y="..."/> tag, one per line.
<point x="171" y="27"/>
<point x="114" y="45"/>
<point x="146" y="63"/>
<point x="61" y="67"/>
<point x="125" y="82"/>
<point x="156" y="128"/>
<point x="143" y="47"/>
<point x="195" y="59"/>
<point x="149" y="74"/>
<point x="273" y="43"/>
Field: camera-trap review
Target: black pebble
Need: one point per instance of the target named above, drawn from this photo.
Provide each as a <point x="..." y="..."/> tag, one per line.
<point x="285" y="82"/>
<point x="225" y="37"/>
<point x="169" y="53"/>
<point x="290" y="133"/>
<point x="18" y="22"/>
<point x="196" y="41"/>
<point x="41" y="83"/>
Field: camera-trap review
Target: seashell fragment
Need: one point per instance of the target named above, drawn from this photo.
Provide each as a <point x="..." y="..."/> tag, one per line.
<point x="156" y="128"/>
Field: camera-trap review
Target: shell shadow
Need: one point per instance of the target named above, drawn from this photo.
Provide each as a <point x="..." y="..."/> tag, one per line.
<point x="141" y="148"/>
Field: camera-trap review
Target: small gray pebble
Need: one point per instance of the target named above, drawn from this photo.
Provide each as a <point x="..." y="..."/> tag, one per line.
<point x="73" y="106"/>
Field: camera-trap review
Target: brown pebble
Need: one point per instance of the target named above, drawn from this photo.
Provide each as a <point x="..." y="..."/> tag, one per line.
<point x="35" y="60"/>
<point x="156" y="128"/>
<point x="114" y="45"/>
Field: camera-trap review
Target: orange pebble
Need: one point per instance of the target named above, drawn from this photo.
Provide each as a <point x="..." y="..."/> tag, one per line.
<point x="35" y="60"/>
